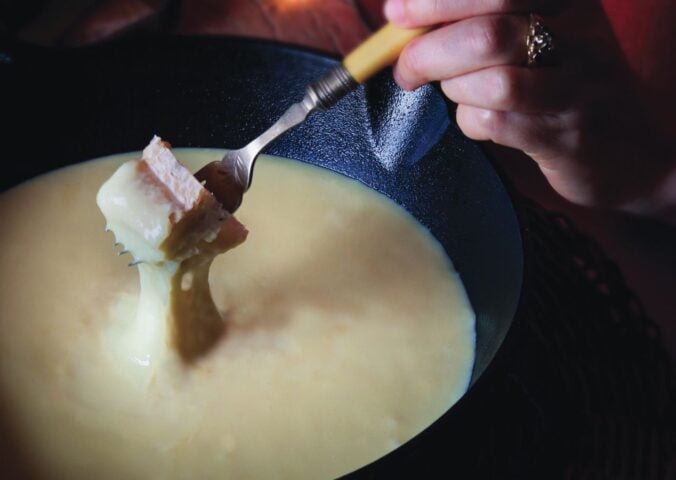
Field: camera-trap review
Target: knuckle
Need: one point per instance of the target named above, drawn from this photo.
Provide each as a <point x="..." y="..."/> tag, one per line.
<point x="483" y="38"/>
<point x="501" y="5"/>
<point x="508" y="29"/>
<point x="412" y="9"/>
<point x="488" y="36"/>
<point x="406" y="8"/>
<point x="504" y="89"/>
<point x="514" y="6"/>
<point x="574" y="127"/>
<point x="490" y="122"/>
<point x="412" y="62"/>
<point x="478" y="124"/>
<point x="426" y="10"/>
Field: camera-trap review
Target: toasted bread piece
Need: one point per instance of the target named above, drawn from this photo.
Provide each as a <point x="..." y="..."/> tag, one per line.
<point x="160" y="212"/>
<point x="171" y="224"/>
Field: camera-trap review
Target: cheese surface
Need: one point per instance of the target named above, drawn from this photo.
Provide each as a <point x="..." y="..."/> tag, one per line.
<point x="346" y="333"/>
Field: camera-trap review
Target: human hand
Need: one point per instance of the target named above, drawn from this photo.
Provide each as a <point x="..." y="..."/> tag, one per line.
<point x="579" y="119"/>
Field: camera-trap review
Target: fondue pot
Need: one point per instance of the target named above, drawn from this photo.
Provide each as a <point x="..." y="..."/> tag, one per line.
<point x="65" y="106"/>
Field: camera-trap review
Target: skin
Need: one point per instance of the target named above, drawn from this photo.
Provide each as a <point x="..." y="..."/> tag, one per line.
<point x="580" y="118"/>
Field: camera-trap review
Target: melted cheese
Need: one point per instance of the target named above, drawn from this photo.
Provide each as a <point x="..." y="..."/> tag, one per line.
<point x="346" y="333"/>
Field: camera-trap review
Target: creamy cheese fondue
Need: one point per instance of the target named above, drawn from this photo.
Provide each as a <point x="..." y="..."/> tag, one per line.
<point x="347" y="333"/>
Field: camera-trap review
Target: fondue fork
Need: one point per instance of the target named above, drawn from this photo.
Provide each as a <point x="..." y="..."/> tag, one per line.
<point x="229" y="178"/>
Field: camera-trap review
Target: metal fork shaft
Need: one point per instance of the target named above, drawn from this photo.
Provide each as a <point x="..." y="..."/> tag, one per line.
<point x="320" y="95"/>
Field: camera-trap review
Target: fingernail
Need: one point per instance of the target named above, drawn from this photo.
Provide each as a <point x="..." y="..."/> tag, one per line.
<point x="394" y="10"/>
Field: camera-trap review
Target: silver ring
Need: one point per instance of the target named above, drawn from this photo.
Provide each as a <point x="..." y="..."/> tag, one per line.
<point x="540" y="44"/>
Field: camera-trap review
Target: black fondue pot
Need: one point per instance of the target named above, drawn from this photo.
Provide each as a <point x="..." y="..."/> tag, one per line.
<point x="65" y="106"/>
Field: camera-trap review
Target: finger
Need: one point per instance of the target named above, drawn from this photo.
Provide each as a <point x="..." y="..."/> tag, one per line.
<point x="416" y="13"/>
<point x="549" y="140"/>
<point x="504" y="128"/>
<point x="545" y="138"/>
<point x="463" y="47"/>
<point x="509" y="88"/>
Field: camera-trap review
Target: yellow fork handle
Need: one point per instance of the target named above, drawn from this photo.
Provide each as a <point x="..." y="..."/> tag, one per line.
<point x="379" y="50"/>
